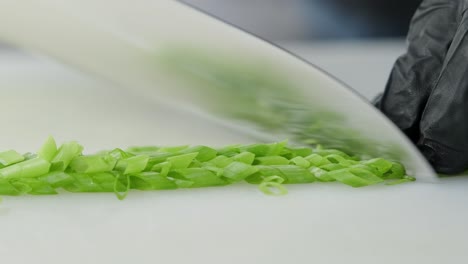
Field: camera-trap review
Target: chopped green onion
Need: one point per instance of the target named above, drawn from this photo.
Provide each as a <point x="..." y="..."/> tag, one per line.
<point x="147" y="150"/>
<point x="220" y="161"/>
<point x="28" y="156"/>
<point x="327" y="152"/>
<point x="204" y="153"/>
<point x="332" y="167"/>
<point x="7" y="188"/>
<point x="27" y="169"/>
<point x="354" y="177"/>
<point x="381" y="165"/>
<point x="366" y="175"/>
<point x="273" y="186"/>
<point x="271" y="166"/>
<point x="93" y="163"/>
<point x="397" y="171"/>
<point x="245" y="157"/>
<point x="230" y="150"/>
<point x="133" y="165"/>
<point x="163" y="168"/>
<point x="321" y="174"/>
<point x="262" y="150"/>
<point x="182" y="161"/>
<point x="316" y="160"/>
<point x="400" y="181"/>
<point x="199" y="176"/>
<point x="10" y="157"/>
<point x="48" y="149"/>
<point x="338" y="159"/>
<point x="118" y="154"/>
<point x="57" y="179"/>
<point x="65" y="154"/>
<point x="120" y="180"/>
<point x="237" y="171"/>
<point x="151" y="181"/>
<point x="298" y="151"/>
<point x="106" y="181"/>
<point x="271" y="160"/>
<point x="274" y="178"/>
<point x="300" y="161"/>
<point x="294" y="174"/>
<point x="35" y="186"/>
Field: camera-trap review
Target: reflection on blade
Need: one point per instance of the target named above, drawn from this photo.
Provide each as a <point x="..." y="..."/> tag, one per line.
<point x="263" y="98"/>
<point x="171" y="53"/>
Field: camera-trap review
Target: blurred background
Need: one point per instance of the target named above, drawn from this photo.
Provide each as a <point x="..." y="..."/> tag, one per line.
<point x="279" y="20"/>
<point x="355" y="40"/>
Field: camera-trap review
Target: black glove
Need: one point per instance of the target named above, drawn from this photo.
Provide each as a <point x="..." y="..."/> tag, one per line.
<point x="427" y="93"/>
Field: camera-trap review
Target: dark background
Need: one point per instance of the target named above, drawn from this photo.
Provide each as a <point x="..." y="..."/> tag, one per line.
<point x="315" y="19"/>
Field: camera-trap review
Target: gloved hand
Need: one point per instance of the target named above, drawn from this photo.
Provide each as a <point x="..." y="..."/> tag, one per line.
<point x="427" y="92"/>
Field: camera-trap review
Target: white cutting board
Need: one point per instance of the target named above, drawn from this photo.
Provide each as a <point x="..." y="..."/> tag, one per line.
<point x="316" y="223"/>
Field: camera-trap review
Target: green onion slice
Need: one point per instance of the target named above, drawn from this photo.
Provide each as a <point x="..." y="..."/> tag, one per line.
<point x="270" y="166"/>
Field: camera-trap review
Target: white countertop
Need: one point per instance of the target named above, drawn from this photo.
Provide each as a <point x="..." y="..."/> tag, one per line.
<point x="317" y="223"/>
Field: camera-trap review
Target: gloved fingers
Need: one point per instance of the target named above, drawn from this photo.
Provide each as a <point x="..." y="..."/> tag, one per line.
<point x="414" y="73"/>
<point x="444" y="123"/>
<point x="377" y="100"/>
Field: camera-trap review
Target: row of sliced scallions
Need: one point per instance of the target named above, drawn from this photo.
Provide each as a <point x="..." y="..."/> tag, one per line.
<point x="270" y="166"/>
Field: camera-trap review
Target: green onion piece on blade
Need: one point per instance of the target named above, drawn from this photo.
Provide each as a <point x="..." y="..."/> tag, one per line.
<point x="270" y="166"/>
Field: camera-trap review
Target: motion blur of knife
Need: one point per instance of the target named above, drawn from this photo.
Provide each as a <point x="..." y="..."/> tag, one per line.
<point x="173" y="53"/>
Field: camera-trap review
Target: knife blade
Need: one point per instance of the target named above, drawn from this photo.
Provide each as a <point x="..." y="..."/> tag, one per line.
<point x="175" y="54"/>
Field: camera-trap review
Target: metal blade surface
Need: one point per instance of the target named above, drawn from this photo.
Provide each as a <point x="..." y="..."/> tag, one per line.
<point x="177" y="55"/>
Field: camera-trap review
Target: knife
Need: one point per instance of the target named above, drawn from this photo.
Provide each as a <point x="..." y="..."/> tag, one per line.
<point x="177" y="55"/>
